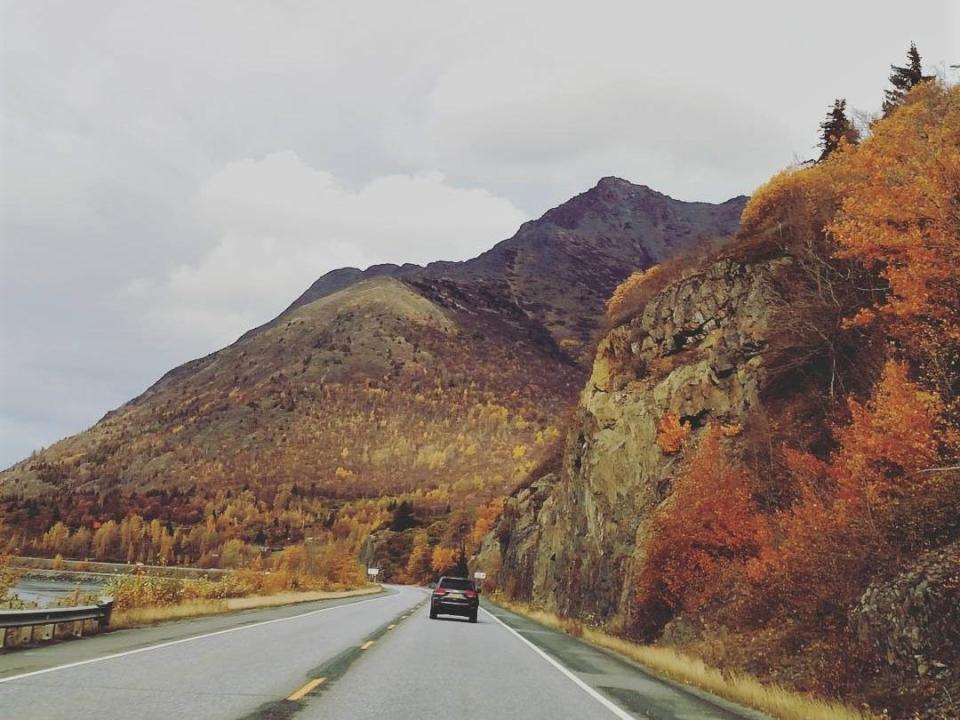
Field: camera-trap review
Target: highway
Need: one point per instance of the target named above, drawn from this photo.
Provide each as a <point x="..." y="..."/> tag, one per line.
<point x="370" y="657"/>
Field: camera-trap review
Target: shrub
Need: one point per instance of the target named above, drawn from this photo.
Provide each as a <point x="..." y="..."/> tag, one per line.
<point x="710" y="522"/>
<point x="9" y="576"/>
<point x="847" y="525"/>
<point x="671" y="433"/>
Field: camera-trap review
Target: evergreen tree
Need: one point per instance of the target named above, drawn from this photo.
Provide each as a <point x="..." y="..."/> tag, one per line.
<point x="461" y="569"/>
<point x="903" y="78"/>
<point x="836" y="127"/>
<point x="403" y="517"/>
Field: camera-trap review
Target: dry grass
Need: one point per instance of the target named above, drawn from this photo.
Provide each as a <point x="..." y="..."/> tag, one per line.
<point x="775" y="700"/>
<point x="196" y="608"/>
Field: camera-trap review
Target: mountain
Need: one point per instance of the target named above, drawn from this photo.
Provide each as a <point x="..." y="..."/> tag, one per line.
<point x="366" y="382"/>
<point x="560" y="270"/>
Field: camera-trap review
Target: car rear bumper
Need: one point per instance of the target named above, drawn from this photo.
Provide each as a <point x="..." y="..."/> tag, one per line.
<point x="464" y="608"/>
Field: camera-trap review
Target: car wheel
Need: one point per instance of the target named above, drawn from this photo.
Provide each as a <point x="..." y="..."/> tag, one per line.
<point x="473" y="617"/>
<point x="433" y="614"/>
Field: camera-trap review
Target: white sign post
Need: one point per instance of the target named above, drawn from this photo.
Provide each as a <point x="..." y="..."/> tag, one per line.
<point x="479" y="575"/>
<point x="373" y="572"/>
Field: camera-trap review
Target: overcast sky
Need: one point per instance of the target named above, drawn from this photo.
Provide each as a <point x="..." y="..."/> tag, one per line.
<point x="174" y="173"/>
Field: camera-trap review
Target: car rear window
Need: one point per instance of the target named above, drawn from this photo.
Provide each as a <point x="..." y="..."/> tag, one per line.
<point x="456" y="583"/>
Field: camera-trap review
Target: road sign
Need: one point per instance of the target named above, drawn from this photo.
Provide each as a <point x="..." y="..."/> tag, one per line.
<point x="480" y="575"/>
<point x="373" y="572"/>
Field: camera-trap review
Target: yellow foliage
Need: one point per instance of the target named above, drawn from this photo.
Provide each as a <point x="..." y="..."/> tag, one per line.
<point x="731" y="429"/>
<point x="625" y="291"/>
<point x="8" y="576"/>
<point x="443" y="558"/>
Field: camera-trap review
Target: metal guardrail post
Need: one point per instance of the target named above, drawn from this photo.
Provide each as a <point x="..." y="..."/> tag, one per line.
<point x="106" y="606"/>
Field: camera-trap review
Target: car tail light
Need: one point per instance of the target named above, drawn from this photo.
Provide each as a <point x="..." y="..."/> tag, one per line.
<point x="439" y="591"/>
<point x="470" y="594"/>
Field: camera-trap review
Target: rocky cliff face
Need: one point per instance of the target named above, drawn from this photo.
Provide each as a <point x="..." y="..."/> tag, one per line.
<point x="575" y="537"/>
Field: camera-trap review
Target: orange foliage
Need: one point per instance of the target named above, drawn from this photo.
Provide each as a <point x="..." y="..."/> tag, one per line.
<point x="486" y="517"/>
<point x="443" y="558"/>
<point x="902" y="214"/>
<point x="839" y="533"/>
<point x="892" y="434"/>
<point x="419" y="566"/>
<point x="671" y="433"/>
<point x="710" y="522"/>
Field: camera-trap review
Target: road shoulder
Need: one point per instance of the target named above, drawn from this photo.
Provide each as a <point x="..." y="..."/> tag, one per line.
<point x="21" y="661"/>
<point x="631" y="686"/>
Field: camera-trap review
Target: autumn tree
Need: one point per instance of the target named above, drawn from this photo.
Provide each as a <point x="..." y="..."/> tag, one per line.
<point x="710" y="522"/>
<point x="836" y="128"/>
<point x="899" y="214"/>
<point x="903" y="78"/>
<point x="420" y="563"/>
<point x="628" y="295"/>
<point x="486" y="517"/>
<point x="844" y="528"/>
<point x="106" y="540"/>
<point x="443" y="559"/>
<point x="235" y="553"/>
<point x="80" y="542"/>
<point x="56" y="538"/>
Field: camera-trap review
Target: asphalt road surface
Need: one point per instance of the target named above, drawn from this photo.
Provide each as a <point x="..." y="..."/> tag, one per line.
<point x="370" y="657"/>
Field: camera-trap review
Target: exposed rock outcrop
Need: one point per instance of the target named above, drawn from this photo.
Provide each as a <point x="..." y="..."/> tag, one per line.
<point x="574" y="540"/>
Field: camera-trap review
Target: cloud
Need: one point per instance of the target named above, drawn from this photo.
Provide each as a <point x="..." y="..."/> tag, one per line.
<point x="173" y="173"/>
<point x="280" y="223"/>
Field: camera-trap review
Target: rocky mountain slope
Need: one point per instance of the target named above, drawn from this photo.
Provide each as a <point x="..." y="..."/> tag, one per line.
<point x="560" y="270"/>
<point x="444" y="378"/>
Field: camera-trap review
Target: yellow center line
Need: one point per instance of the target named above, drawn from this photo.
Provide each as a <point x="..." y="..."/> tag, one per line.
<point x="307" y="688"/>
<point x="367" y="644"/>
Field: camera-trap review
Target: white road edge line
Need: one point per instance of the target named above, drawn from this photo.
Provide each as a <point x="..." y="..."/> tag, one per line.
<point x="190" y="639"/>
<point x="608" y="704"/>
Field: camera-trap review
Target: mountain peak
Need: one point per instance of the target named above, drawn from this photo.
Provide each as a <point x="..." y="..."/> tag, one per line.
<point x="614" y="181"/>
<point x="617" y="184"/>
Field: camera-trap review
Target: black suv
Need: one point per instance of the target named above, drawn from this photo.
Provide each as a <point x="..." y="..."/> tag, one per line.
<point x="455" y="596"/>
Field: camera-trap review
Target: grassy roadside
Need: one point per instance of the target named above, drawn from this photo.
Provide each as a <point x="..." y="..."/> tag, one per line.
<point x="135" y="617"/>
<point x="775" y="700"/>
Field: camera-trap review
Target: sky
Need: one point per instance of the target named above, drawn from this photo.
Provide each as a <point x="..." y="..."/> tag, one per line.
<point x="175" y="173"/>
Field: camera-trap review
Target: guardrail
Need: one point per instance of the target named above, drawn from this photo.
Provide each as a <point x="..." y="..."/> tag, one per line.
<point x="13" y="621"/>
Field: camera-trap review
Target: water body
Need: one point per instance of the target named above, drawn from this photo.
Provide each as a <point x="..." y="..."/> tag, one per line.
<point x="46" y="592"/>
